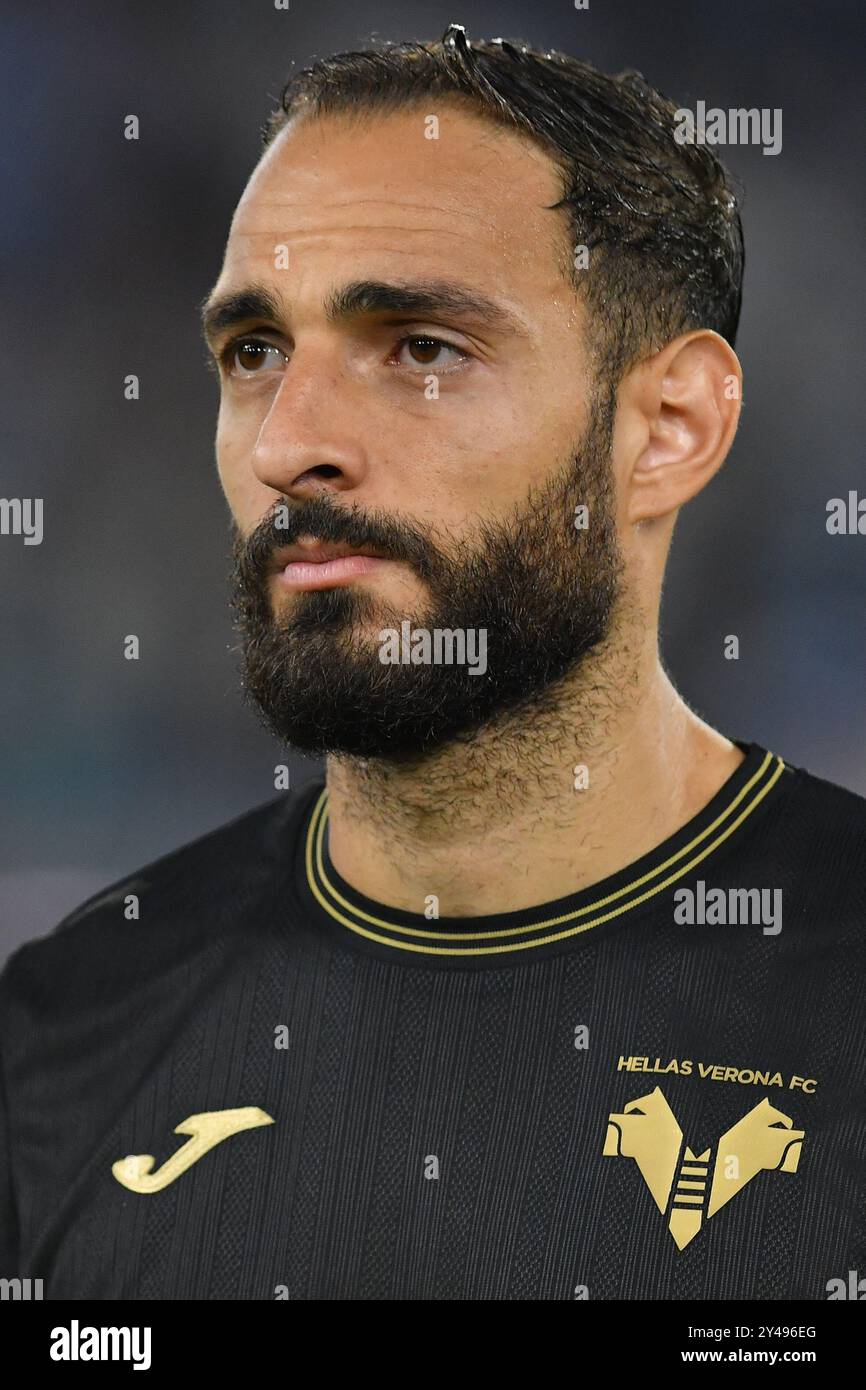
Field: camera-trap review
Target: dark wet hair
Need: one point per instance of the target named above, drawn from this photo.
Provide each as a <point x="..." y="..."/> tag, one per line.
<point x="659" y="218"/>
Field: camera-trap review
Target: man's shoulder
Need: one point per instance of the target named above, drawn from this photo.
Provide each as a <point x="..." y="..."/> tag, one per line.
<point x="820" y="801"/>
<point x="187" y="891"/>
<point x="819" y="832"/>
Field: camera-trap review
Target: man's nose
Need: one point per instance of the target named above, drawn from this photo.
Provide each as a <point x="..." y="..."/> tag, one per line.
<point x="311" y="440"/>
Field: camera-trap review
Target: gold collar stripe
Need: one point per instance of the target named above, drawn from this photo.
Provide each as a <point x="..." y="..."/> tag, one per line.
<point x="750" y="795"/>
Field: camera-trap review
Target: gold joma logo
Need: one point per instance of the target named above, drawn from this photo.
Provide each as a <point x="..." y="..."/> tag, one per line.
<point x="206" y="1131"/>
<point x="647" y="1131"/>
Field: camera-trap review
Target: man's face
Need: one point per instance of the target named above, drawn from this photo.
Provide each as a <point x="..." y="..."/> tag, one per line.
<point x="445" y="427"/>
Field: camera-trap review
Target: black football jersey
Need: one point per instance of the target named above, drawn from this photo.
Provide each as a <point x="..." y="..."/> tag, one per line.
<point x="232" y="1076"/>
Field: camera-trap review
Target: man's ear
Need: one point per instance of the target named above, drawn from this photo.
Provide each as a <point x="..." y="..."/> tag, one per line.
<point x="679" y="412"/>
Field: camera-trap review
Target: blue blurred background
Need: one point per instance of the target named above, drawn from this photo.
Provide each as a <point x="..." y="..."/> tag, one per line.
<point x="109" y="246"/>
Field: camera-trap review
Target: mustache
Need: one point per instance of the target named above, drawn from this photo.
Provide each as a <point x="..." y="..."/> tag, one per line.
<point x="328" y="521"/>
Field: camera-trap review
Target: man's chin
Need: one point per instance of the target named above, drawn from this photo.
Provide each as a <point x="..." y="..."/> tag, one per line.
<point x="329" y="700"/>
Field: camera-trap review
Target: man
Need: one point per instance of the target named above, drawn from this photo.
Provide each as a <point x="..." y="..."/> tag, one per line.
<point x="551" y="991"/>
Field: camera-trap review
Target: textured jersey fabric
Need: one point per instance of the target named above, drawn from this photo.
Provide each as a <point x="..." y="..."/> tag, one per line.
<point x="267" y="1086"/>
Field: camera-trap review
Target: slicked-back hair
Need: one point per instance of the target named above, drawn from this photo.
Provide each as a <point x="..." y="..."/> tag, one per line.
<point x="659" y="219"/>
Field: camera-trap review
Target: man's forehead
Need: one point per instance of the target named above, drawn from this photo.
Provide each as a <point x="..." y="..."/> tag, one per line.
<point x="474" y="181"/>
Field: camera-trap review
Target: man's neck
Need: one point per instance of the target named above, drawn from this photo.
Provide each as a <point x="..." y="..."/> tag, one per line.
<point x="503" y="820"/>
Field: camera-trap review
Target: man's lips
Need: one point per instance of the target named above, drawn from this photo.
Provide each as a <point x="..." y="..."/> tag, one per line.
<point x="324" y="565"/>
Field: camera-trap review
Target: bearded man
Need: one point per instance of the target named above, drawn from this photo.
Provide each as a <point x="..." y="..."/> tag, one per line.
<point x="468" y="1017"/>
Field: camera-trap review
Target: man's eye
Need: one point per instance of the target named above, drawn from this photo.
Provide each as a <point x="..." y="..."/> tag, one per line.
<point x="250" y="356"/>
<point x="420" y="350"/>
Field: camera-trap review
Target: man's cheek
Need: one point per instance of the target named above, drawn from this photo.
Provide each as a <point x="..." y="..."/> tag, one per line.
<point x="234" y="496"/>
<point x="247" y="498"/>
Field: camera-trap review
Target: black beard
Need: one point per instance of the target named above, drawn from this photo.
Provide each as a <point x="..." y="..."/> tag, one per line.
<point x="544" y="591"/>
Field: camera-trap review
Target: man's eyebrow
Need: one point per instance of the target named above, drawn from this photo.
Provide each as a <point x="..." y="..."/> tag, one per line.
<point x="426" y="299"/>
<point x="429" y="298"/>
<point x="224" y="311"/>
